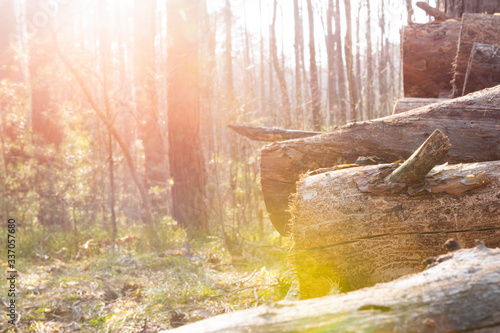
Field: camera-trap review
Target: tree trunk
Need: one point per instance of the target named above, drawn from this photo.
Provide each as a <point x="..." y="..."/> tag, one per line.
<point x="475" y="28"/>
<point x="339" y="66"/>
<point x="183" y="94"/>
<point x="353" y="98"/>
<point x="483" y="70"/>
<point x="369" y="64"/>
<point x="330" y="53"/>
<point x="299" y="42"/>
<point x="407" y="104"/>
<point x="285" y="102"/>
<point x="428" y="52"/>
<point x="470" y="122"/>
<point x="315" y="93"/>
<point x="155" y="161"/>
<point x="355" y="230"/>
<point x="459" y="294"/>
<point x="9" y="68"/>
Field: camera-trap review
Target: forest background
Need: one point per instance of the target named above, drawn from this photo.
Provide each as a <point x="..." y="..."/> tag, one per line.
<point x="114" y="113"/>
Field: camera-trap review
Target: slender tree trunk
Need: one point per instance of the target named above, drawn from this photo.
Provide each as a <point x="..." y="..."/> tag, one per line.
<point x="8" y="36"/>
<point x="105" y="63"/>
<point x="339" y="66"/>
<point x="353" y="98"/>
<point x="285" y="102"/>
<point x="298" y="43"/>
<point x="358" y="76"/>
<point x="155" y="161"/>
<point x="330" y="52"/>
<point x="369" y="64"/>
<point x="183" y="95"/>
<point x="315" y="93"/>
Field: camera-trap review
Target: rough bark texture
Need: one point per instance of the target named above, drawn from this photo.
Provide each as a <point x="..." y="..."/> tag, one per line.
<point x="347" y="235"/>
<point x="428" y="52"/>
<point x="269" y="134"/>
<point x="483" y="70"/>
<point x="409" y="103"/>
<point x="459" y="294"/>
<point x="476" y="28"/>
<point x="185" y="156"/>
<point x="471" y="122"/>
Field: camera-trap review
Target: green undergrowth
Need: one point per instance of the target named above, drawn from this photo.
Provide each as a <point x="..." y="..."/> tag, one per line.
<point x="90" y="283"/>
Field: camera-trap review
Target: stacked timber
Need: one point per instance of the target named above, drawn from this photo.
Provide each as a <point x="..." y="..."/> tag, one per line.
<point x="475" y="28"/>
<point x="438" y="56"/>
<point x="471" y="122"/>
<point x="354" y="228"/>
<point x="483" y="69"/>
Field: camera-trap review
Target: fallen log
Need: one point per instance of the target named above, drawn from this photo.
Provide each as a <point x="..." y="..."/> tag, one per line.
<point x="269" y="134"/>
<point x="428" y="52"/>
<point x="458" y="294"/>
<point x="410" y="103"/>
<point x="352" y="229"/>
<point x="471" y="123"/>
<point x="483" y="70"/>
<point x="475" y="28"/>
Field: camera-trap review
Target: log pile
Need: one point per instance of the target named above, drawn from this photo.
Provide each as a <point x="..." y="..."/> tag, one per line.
<point x="471" y="122"/>
<point x="459" y="293"/>
<point x="436" y="56"/>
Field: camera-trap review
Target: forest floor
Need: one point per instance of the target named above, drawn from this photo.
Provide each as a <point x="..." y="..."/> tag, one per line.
<point x="119" y="288"/>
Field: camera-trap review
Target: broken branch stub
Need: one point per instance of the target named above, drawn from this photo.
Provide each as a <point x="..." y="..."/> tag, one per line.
<point x="426" y="157"/>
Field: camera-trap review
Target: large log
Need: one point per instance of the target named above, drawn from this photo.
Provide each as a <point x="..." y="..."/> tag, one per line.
<point x="459" y="294"/>
<point x="428" y="51"/>
<point x="351" y="229"/>
<point x="483" y="70"/>
<point x="471" y="122"/>
<point x="475" y="28"/>
<point x="410" y="103"/>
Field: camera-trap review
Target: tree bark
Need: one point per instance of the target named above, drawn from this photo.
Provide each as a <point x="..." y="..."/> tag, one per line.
<point x="313" y="70"/>
<point x="428" y="52"/>
<point x="183" y="94"/>
<point x="475" y="28"/>
<point x="353" y="229"/>
<point x="470" y="122"/>
<point x="483" y="70"/>
<point x="459" y="294"/>
<point x="407" y="104"/>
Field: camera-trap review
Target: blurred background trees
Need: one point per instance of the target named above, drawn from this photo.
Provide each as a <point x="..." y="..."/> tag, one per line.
<point x="122" y="122"/>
